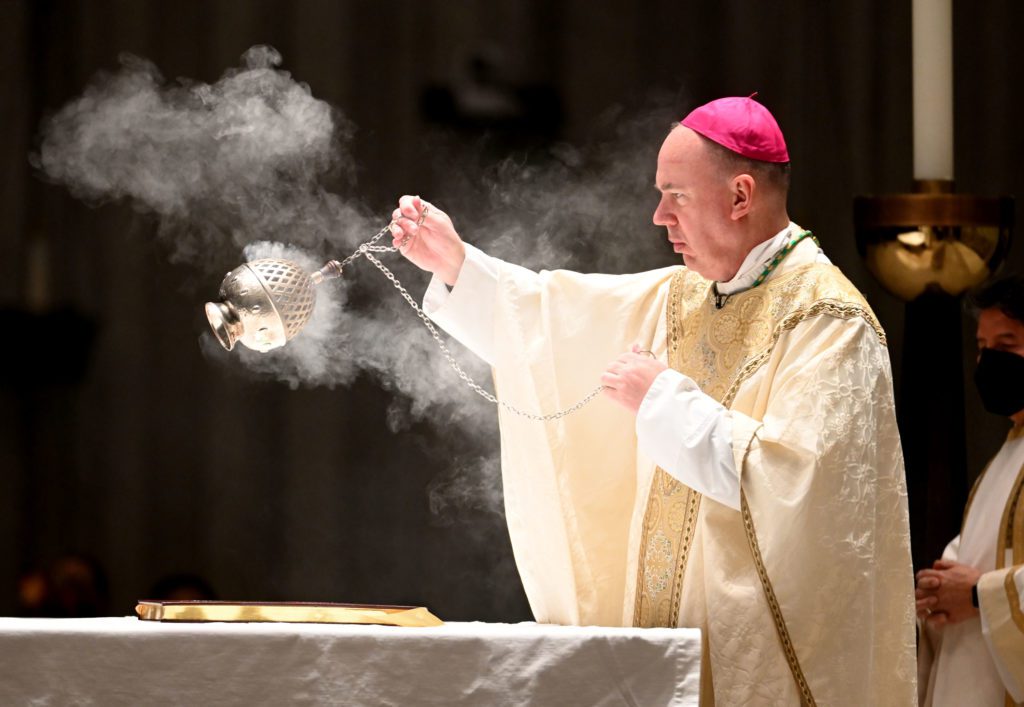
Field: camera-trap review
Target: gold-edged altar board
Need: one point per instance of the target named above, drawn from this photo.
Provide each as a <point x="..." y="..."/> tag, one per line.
<point x="285" y="612"/>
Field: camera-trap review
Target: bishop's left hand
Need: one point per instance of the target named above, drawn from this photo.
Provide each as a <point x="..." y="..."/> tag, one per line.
<point x="629" y="377"/>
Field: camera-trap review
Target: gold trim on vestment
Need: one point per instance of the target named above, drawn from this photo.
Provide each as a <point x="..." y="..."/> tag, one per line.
<point x="669" y="521"/>
<point x="838" y="310"/>
<point x="1013" y="597"/>
<point x="720" y="349"/>
<point x="806" y="698"/>
<point x="1017" y="524"/>
<point x="1009" y="527"/>
<point x="1008" y="510"/>
<point x="668" y="530"/>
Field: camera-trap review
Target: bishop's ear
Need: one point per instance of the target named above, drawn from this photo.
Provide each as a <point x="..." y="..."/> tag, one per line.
<point x="742" y="195"/>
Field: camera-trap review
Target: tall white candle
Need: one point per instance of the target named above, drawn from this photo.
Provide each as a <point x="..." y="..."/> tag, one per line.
<point x="933" y="89"/>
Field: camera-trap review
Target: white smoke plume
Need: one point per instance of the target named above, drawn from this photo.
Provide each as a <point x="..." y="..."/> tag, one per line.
<point x="242" y="166"/>
<point x="221" y="165"/>
<point x="473" y="484"/>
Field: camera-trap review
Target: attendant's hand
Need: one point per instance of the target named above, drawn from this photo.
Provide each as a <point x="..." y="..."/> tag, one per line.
<point x="944" y="593"/>
<point x="630" y="376"/>
<point x="429" y="238"/>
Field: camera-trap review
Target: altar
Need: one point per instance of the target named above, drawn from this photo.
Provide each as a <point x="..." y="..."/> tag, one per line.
<point x="125" y="661"/>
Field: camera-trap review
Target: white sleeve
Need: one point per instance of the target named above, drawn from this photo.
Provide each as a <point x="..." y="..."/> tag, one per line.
<point x="952" y="551"/>
<point x="689" y="435"/>
<point x="467" y="311"/>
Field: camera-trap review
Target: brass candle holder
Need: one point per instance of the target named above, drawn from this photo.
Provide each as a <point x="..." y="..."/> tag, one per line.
<point x="932" y="239"/>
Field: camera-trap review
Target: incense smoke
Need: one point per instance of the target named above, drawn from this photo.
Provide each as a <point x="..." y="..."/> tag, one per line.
<point x="239" y="169"/>
<point x="583" y="208"/>
<point x="221" y="165"/>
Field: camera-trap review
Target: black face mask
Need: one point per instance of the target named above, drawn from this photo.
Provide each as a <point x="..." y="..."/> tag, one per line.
<point x="1000" y="381"/>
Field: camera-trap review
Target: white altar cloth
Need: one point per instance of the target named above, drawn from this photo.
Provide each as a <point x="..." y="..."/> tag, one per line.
<point x="124" y="661"/>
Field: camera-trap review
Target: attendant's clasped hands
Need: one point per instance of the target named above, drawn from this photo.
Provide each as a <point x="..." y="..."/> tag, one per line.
<point x="944" y="593"/>
<point x="629" y="377"/>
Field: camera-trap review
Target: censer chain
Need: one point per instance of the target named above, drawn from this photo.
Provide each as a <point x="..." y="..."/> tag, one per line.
<point x="367" y="249"/>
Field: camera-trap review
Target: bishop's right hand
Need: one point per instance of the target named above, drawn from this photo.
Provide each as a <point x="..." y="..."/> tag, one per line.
<point x="425" y="235"/>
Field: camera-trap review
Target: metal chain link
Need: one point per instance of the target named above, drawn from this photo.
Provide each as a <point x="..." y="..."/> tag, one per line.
<point x="366" y="249"/>
<point x="369" y="245"/>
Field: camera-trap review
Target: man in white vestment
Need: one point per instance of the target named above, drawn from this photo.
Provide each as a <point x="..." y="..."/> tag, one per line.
<point x="742" y="472"/>
<point x="969" y="602"/>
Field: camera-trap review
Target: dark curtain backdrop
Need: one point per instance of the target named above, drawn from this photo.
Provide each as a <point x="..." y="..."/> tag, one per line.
<point x="120" y="440"/>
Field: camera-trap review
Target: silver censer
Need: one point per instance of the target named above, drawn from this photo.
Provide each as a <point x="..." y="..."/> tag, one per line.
<point x="264" y="303"/>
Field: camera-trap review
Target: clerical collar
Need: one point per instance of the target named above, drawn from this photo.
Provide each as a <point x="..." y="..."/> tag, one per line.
<point x="753" y="265"/>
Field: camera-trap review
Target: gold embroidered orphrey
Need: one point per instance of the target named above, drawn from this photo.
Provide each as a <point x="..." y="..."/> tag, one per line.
<point x="720" y="349"/>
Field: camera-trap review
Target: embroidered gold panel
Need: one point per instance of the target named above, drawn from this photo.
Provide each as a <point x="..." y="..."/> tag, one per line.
<point x="719" y="349"/>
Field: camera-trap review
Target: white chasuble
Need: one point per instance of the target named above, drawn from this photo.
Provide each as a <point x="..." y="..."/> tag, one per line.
<point x="980" y="661"/>
<point x="805" y="594"/>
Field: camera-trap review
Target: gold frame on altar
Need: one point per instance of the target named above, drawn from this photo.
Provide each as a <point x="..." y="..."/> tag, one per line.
<point x="285" y="612"/>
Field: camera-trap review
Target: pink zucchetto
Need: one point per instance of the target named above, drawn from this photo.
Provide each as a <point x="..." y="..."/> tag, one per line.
<point x="742" y="125"/>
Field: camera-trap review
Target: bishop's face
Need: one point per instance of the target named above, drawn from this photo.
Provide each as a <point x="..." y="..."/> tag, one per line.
<point x="695" y="206"/>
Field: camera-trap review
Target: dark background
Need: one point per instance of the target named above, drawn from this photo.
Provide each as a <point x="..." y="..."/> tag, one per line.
<point x="119" y="440"/>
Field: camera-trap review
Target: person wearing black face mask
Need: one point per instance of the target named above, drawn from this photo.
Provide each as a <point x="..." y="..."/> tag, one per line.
<point x="971" y="601"/>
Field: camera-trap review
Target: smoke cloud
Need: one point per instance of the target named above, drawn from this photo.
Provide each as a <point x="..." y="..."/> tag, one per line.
<point x="221" y="165"/>
<point x="586" y="208"/>
<point x="240" y="166"/>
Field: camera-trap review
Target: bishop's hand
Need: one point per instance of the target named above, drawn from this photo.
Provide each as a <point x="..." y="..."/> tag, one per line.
<point x="629" y="377"/>
<point x="425" y="235"/>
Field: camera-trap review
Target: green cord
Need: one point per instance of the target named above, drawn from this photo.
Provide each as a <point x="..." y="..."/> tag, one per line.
<point x="781" y="255"/>
<point x="720" y="300"/>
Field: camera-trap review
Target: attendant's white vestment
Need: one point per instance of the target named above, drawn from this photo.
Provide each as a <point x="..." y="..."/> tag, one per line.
<point x="805" y="592"/>
<point x="980" y="662"/>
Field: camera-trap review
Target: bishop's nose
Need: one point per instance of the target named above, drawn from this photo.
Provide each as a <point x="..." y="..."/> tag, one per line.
<point x="662" y="217"/>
